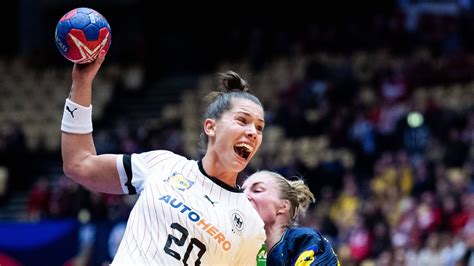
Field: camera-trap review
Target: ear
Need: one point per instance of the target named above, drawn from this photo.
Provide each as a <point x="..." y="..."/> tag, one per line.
<point x="210" y="127"/>
<point x="284" y="207"/>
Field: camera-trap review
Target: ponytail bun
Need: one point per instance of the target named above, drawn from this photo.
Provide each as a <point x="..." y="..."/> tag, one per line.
<point x="304" y="196"/>
<point x="231" y="81"/>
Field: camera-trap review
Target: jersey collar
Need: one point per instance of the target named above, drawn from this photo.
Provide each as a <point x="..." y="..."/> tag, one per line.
<point x="216" y="180"/>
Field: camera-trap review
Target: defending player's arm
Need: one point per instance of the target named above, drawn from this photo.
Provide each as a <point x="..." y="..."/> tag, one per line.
<point x="80" y="160"/>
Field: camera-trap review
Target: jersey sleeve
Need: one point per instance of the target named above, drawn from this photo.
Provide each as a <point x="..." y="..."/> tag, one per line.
<point x="133" y="170"/>
<point x="313" y="249"/>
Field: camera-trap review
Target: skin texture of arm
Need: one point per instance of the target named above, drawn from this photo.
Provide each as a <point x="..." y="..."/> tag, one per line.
<point x="80" y="160"/>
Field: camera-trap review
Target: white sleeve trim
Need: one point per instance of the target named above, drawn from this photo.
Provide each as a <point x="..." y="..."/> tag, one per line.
<point x="122" y="173"/>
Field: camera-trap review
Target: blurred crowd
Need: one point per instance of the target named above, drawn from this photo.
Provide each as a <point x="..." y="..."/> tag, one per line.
<point x="380" y="124"/>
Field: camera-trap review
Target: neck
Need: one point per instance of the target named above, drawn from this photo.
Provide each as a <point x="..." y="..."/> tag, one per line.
<point x="216" y="169"/>
<point x="274" y="233"/>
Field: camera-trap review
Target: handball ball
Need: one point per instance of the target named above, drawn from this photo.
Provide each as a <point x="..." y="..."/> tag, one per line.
<point x="81" y="34"/>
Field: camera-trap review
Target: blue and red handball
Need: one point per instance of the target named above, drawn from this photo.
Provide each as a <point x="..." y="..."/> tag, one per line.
<point x="81" y="34"/>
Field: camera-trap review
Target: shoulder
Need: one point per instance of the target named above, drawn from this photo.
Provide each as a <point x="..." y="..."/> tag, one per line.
<point x="160" y="153"/>
<point x="309" y="244"/>
<point x="157" y="156"/>
<point x="308" y="233"/>
<point x="301" y="232"/>
<point x="142" y="164"/>
<point x="297" y="238"/>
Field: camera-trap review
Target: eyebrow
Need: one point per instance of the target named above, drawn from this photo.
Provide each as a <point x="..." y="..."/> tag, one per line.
<point x="248" y="114"/>
<point x="254" y="184"/>
<point x="257" y="183"/>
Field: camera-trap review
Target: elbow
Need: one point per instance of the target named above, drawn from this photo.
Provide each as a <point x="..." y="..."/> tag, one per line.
<point x="68" y="171"/>
<point x="74" y="172"/>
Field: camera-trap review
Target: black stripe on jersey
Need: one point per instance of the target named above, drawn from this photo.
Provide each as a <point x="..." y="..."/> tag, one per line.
<point x="217" y="181"/>
<point x="127" y="164"/>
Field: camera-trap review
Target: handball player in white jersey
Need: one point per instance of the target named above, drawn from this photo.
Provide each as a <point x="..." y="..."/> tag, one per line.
<point x="188" y="212"/>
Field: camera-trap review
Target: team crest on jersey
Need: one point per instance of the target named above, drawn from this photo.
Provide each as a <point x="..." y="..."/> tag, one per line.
<point x="180" y="182"/>
<point x="237" y="220"/>
<point x="306" y="257"/>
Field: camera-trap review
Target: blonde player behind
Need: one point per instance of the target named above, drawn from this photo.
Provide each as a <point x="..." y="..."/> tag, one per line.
<point x="189" y="212"/>
<point x="280" y="202"/>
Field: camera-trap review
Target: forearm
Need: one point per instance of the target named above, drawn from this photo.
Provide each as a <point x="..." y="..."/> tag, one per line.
<point x="80" y="159"/>
<point x="81" y="93"/>
<point x="77" y="115"/>
<point x="76" y="148"/>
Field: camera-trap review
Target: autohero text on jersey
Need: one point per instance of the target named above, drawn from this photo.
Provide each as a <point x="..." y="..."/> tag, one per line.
<point x="193" y="216"/>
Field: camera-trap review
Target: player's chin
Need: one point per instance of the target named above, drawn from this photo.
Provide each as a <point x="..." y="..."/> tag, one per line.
<point x="238" y="166"/>
<point x="241" y="161"/>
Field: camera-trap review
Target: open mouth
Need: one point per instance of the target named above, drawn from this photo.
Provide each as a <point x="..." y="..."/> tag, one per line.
<point x="243" y="150"/>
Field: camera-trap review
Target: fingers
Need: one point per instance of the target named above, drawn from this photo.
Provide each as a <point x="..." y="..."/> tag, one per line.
<point x="87" y="72"/>
<point x="101" y="57"/>
<point x="96" y="63"/>
<point x="99" y="60"/>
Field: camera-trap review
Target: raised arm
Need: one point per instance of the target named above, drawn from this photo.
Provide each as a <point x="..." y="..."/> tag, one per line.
<point x="80" y="160"/>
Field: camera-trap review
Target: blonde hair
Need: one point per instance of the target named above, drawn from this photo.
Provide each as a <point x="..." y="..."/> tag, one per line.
<point x="296" y="192"/>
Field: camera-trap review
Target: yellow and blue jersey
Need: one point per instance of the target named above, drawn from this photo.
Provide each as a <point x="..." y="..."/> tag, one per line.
<point x="302" y="246"/>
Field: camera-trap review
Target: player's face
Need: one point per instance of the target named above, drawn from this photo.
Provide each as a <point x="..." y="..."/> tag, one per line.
<point x="262" y="191"/>
<point x="238" y="134"/>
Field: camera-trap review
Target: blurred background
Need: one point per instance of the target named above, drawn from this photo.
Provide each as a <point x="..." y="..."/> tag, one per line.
<point x="374" y="107"/>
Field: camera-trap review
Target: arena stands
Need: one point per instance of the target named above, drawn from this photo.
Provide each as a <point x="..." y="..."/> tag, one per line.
<point x="377" y="117"/>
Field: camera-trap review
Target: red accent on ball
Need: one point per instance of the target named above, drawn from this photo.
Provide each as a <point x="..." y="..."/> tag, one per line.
<point x="83" y="51"/>
<point x="69" y="14"/>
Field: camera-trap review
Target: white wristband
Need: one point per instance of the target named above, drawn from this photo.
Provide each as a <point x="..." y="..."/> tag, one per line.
<point x="76" y="118"/>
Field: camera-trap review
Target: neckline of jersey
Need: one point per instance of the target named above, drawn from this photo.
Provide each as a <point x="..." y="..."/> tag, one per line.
<point x="217" y="181"/>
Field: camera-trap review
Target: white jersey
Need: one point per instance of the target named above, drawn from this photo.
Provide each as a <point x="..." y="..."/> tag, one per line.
<point x="183" y="216"/>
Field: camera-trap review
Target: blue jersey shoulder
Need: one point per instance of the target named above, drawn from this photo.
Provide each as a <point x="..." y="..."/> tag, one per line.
<point x="302" y="246"/>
